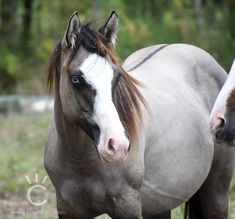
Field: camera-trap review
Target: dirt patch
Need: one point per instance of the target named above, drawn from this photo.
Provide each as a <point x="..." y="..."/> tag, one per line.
<point x="16" y="207"/>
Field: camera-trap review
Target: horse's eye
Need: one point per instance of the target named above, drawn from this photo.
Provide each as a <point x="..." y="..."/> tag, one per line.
<point x="76" y="80"/>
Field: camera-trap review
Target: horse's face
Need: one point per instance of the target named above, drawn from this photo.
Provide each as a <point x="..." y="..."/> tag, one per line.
<point x="222" y="118"/>
<point x="86" y="92"/>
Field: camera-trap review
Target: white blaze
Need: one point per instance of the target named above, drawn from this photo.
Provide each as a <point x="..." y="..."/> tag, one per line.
<point x="99" y="74"/>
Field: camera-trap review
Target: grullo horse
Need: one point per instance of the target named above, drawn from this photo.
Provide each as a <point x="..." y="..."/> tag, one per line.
<point x="132" y="140"/>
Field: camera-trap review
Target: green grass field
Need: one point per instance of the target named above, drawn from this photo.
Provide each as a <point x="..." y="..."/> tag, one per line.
<point x="22" y="140"/>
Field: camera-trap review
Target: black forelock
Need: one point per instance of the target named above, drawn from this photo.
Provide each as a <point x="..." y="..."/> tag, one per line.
<point x="89" y="38"/>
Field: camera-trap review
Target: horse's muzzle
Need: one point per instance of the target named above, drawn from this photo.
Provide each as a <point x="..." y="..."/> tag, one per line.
<point x="116" y="149"/>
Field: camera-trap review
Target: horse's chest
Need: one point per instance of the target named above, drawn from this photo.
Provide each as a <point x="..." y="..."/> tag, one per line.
<point x="75" y="189"/>
<point x="98" y="194"/>
<point x="87" y="192"/>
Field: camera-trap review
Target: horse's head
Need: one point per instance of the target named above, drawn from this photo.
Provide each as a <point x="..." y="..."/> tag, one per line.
<point x="222" y="118"/>
<point x="92" y="84"/>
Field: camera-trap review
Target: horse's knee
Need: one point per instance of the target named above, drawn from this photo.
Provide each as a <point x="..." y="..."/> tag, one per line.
<point x="131" y="214"/>
<point x="127" y="206"/>
<point x="128" y="217"/>
<point x="164" y="215"/>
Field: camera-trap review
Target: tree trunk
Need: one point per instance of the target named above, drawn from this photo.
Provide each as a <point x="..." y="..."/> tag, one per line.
<point x="27" y="20"/>
<point x="8" y="24"/>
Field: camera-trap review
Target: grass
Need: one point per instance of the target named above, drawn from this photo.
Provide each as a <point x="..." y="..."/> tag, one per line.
<point x="22" y="140"/>
<point x="22" y="143"/>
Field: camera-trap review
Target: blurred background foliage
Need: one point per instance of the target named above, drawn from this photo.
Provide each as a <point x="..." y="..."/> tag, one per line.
<point x="29" y="30"/>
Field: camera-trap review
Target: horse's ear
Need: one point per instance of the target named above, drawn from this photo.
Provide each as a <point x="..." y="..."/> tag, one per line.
<point x="110" y="29"/>
<point x="73" y="28"/>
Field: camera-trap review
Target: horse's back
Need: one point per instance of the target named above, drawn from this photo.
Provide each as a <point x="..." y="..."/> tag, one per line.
<point x="180" y="71"/>
<point x="184" y="61"/>
<point x="181" y="83"/>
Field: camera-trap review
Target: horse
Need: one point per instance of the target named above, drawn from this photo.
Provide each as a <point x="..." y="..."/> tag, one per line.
<point x="132" y="140"/>
<point x="222" y="123"/>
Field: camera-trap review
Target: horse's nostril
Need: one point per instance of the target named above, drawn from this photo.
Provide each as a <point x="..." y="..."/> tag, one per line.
<point x="111" y="144"/>
<point x="222" y="122"/>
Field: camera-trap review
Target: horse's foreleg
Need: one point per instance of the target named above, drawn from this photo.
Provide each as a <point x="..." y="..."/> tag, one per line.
<point x="165" y="215"/>
<point x="66" y="212"/>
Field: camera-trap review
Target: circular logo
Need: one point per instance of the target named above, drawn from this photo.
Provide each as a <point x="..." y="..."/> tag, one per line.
<point x="29" y="197"/>
<point x="36" y="190"/>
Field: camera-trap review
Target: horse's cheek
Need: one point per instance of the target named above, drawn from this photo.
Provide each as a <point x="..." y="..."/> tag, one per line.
<point x="69" y="101"/>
